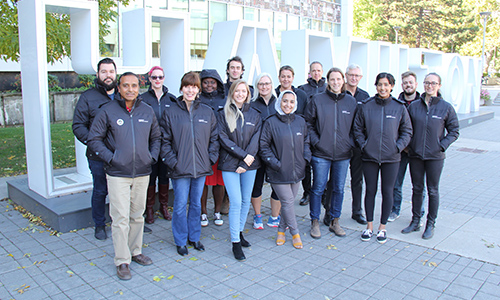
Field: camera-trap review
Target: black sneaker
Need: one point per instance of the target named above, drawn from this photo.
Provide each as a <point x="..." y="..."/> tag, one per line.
<point x="100" y="233"/>
<point x="382" y="236"/>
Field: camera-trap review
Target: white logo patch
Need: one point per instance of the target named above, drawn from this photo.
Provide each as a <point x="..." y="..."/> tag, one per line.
<point x="436" y="117"/>
<point x="250" y="123"/>
<point x="143" y="121"/>
<point x="346" y="112"/>
<point x="390" y="117"/>
<point x="299" y="133"/>
<point x="203" y="121"/>
<point x="119" y="122"/>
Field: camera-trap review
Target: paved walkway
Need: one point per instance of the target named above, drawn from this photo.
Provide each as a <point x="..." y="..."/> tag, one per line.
<point x="462" y="261"/>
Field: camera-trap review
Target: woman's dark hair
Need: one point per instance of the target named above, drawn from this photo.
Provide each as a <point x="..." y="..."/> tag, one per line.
<point x="341" y="74"/>
<point x="435" y="74"/>
<point x="389" y="77"/>
<point x="190" y="78"/>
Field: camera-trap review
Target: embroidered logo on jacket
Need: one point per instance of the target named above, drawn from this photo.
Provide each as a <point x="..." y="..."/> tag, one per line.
<point x="250" y="123"/>
<point x="119" y="122"/>
<point x="299" y="133"/>
<point x="390" y="117"/>
<point x="436" y="117"/>
<point x="143" y="121"/>
<point x="346" y="112"/>
<point x="203" y="121"/>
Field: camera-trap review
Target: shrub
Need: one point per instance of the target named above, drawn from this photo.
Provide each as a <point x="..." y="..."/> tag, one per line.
<point x="485" y="95"/>
<point x="52" y="82"/>
<point x="87" y="80"/>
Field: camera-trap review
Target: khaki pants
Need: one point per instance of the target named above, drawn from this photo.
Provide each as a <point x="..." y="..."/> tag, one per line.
<point x="127" y="201"/>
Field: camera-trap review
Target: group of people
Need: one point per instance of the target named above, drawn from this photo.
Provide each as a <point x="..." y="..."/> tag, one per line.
<point x="234" y="136"/>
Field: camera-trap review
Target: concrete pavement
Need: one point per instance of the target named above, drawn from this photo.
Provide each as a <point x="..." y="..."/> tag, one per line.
<point x="462" y="261"/>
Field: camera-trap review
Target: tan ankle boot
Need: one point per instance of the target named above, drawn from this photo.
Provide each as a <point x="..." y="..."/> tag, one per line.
<point x="335" y="228"/>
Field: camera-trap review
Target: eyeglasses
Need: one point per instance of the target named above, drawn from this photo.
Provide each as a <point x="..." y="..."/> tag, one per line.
<point x="431" y="83"/>
<point x="264" y="84"/>
<point x="157" y="77"/>
<point x="354" y="75"/>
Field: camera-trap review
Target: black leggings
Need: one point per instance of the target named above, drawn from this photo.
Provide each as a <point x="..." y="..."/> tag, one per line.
<point x="430" y="170"/>
<point x="389" y="172"/>
<point x="259" y="183"/>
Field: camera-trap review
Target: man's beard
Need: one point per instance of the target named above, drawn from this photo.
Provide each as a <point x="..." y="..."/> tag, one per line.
<point x="409" y="94"/>
<point x="107" y="87"/>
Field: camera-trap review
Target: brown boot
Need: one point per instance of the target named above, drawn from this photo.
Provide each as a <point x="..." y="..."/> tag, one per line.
<point x="315" y="232"/>
<point x="335" y="228"/>
<point x="163" y="197"/>
<point x="150" y="202"/>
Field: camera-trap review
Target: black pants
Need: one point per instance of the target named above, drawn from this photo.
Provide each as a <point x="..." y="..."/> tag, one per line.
<point x="356" y="166"/>
<point x="431" y="170"/>
<point x="388" y="172"/>
<point x="259" y="183"/>
<point x="306" y="182"/>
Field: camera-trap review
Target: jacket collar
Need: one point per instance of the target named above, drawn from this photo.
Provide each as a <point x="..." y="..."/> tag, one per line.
<point x="286" y="118"/>
<point x="335" y="97"/>
<point x="152" y="91"/>
<point x="182" y="104"/>
<point x="100" y="88"/>
<point x="121" y="101"/>
<point x="434" y="100"/>
<point x="385" y="101"/>
<point x="315" y="83"/>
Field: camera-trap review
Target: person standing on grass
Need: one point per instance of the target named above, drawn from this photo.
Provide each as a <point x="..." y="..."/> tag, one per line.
<point x="125" y="135"/>
<point x="86" y="109"/>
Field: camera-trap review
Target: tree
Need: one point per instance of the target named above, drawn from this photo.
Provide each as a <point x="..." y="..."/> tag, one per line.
<point x="58" y="30"/>
<point x="443" y="25"/>
<point x="492" y="44"/>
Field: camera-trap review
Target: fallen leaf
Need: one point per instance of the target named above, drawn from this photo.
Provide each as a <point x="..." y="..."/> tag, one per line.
<point x="236" y="296"/>
<point x="70" y="273"/>
<point x="27" y="255"/>
<point x="11" y="157"/>
<point x="307" y="273"/>
<point x="10" y="255"/>
<point x="326" y="298"/>
<point x="193" y="258"/>
<point x="343" y="269"/>
<point x="92" y="264"/>
<point x="170" y="277"/>
<point x="425" y="261"/>
<point x="281" y="281"/>
<point x="145" y="245"/>
<point x="433" y="264"/>
<point x="157" y="279"/>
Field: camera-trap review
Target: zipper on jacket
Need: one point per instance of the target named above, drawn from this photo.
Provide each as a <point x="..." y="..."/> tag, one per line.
<point x="293" y="151"/>
<point x="381" y="135"/>
<point x="192" y="140"/>
<point x="335" y="131"/>
<point x="425" y="131"/>
<point x="133" y="144"/>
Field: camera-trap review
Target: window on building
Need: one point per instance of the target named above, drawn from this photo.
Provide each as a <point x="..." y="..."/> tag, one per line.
<point x="234" y="12"/>
<point x="250" y="14"/>
<point x="199" y="28"/>
<point x="218" y="13"/>
<point x="156" y="4"/>
<point x="178" y="5"/>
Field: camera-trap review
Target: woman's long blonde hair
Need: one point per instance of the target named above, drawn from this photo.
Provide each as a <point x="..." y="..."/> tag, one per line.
<point x="231" y="111"/>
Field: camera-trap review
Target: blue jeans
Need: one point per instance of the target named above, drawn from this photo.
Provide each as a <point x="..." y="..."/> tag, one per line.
<point x="99" y="192"/>
<point x="398" y="186"/>
<point x="239" y="189"/>
<point x="187" y="227"/>
<point x="338" y="171"/>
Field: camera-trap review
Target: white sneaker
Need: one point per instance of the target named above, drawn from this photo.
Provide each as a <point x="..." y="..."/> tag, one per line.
<point x="218" y="219"/>
<point x="204" y="220"/>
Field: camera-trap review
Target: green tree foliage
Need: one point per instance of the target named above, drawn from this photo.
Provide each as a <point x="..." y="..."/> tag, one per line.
<point x="443" y="25"/>
<point x="492" y="44"/>
<point x="58" y="30"/>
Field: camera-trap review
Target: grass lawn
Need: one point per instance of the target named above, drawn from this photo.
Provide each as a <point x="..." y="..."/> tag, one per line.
<point x="13" y="152"/>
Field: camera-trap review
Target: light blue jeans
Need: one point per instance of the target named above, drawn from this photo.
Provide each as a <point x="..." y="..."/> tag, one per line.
<point x="239" y="189"/>
<point x="184" y="227"/>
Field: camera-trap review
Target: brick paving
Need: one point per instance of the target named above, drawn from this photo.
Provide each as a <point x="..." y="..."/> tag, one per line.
<point x="37" y="265"/>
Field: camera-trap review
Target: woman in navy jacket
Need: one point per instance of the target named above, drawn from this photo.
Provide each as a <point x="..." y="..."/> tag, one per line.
<point x="435" y="128"/>
<point x="239" y="131"/>
<point x="284" y="148"/>
<point x="189" y="149"/>
<point x="159" y="99"/>
<point x="382" y="129"/>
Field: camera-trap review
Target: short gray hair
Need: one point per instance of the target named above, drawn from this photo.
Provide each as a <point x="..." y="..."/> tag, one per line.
<point x="352" y="67"/>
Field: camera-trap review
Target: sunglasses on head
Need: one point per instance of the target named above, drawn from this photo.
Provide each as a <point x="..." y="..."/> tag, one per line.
<point x="157" y="77"/>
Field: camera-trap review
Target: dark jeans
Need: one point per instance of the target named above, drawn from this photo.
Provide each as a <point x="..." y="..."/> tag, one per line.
<point x="388" y="173"/>
<point x="99" y="192"/>
<point x="356" y="166"/>
<point x="158" y="170"/>
<point x="398" y="186"/>
<point x="430" y="170"/>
